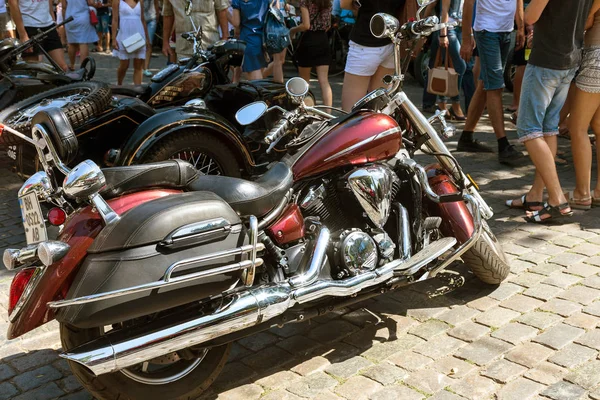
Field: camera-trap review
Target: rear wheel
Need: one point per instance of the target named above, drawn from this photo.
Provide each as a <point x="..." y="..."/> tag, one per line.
<point x="171" y="376"/>
<point x="486" y="258"/>
<point x="208" y="154"/>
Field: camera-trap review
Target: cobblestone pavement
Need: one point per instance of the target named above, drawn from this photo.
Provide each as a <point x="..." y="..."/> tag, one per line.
<point x="535" y="336"/>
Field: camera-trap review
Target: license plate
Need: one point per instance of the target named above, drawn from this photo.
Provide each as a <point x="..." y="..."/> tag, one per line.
<point x="33" y="220"/>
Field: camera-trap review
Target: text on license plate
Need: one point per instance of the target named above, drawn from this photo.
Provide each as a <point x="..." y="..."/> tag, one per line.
<point x="33" y="220"/>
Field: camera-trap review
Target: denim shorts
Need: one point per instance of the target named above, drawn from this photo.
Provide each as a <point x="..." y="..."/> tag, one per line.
<point x="493" y="48"/>
<point x="103" y="23"/>
<point x="543" y="95"/>
<point x="151" y="25"/>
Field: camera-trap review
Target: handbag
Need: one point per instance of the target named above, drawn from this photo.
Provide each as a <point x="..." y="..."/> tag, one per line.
<point x="443" y="79"/>
<point x="134" y="42"/>
<point x="93" y="17"/>
<point x="276" y="35"/>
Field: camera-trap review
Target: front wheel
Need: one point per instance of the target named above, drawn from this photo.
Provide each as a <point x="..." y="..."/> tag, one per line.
<point x="487" y="259"/>
<point x="170" y="377"/>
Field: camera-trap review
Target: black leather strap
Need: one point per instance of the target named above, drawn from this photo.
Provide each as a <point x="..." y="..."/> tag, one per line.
<point x="61" y="133"/>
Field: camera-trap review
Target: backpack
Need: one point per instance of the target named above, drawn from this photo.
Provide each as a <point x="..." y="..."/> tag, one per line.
<point x="276" y="35"/>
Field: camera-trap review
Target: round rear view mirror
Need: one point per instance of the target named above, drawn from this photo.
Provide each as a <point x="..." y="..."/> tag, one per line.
<point x="251" y="112"/>
<point x="297" y="87"/>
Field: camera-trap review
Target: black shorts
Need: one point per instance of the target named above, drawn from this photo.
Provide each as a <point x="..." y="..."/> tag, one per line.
<point x="519" y="57"/>
<point x="313" y="49"/>
<point x="49" y="43"/>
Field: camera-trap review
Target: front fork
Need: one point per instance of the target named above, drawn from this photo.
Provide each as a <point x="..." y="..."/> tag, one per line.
<point x="436" y="145"/>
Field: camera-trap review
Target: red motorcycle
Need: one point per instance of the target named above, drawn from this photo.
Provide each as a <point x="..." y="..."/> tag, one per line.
<point x="157" y="270"/>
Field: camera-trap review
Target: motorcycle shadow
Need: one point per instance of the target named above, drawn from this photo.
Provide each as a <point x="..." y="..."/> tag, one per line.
<point x="313" y="356"/>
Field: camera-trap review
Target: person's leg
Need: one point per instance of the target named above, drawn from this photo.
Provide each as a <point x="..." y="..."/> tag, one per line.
<point x="565" y="111"/>
<point x="138" y="68"/>
<point x="428" y="98"/>
<point x="151" y="26"/>
<point x="322" y="74"/>
<point x="84" y="51"/>
<point x="376" y="80"/>
<point x="278" y="61"/>
<point x="466" y="142"/>
<point x="100" y="33"/>
<point x="256" y="74"/>
<point x="72" y="51"/>
<point x="596" y="127"/>
<point x="122" y="70"/>
<point x="304" y="73"/>
<point x="353" y="89"/>
<point x="518" y="81"/>
<point x="460" y="66"/>
<point x="361" y="64"/>
<point x="583" y="108"/>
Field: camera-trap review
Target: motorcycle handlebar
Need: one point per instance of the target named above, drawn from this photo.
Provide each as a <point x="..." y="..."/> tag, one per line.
<point x="278" y="131"/>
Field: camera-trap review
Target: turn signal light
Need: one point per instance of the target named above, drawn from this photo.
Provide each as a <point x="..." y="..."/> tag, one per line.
<point x="17" y="287"/>
<point x="57" y="216"/>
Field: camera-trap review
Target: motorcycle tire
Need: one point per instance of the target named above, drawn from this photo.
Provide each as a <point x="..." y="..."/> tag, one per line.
<point x="95" y="101"/>
<point x="487" y="259"/>
<point x="119" y="386"/>
<point x="183" y="144"/>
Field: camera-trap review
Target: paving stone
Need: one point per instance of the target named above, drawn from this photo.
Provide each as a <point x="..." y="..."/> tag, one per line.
<point x="559" y="336"/>
<point x="6" y="372"/>
<point x="312" y="365"/>
<point x="7" y="391"/>
<point x="469" y="331"/>
<point x="438" y="347"/>
<point x="427" y="381"/>
<point x="515" y="333"/>
<point x="503" y="371"/>
<point x="238" y="352"/>
<point x="496" y="317"/>
<point x="573" y="355"/>
<point x="528" y="279"/>
<point x="234" y="374"/>
<point x="592" y="281"/>
<point x="278" y="380"/>
<point x="475" y="387"/>
<point x="327" y="396"/>
<point x="529" y="354"/>
<point x="512" y="248"/>
<point x="483" y="303"/>
<point x="349" y="367"/>
<point x="82" y="395"/>
<point x="535" y="257"/>
<point x="581" y="294"/>
<point x="561" y="307"/>
<point x="370" y="335"/>
<point x="583" y="270"/>
<point x="46" y="392"/>
<point x="458" y="315"/>
<point x="483" y="351"/>
<point x="546" y="269"/>
<point x="381" y="351"/>
<point x="520" y="389"/>
<point x="358" y="387"/>
<point x="361" y="317"/>
<point x="298" y="345"/>
<point x="69" y="384"/>
<point x="505" y="290"/>
<point x="37" y="377"/>
<point x="582" y="320"/>
<point x="566" y="259"/>
<point x="561" y="280"/>
<point x="453" y="367"/>
<point x="568" y="241"/>
<point x="244" y="392"/>
<point x="590" y="339"/>
<point x="521" y="303"/>
<point x="445" y="395"/>
<point x="542" y="291"/>
<point x="35" y="359"/>
<point x="396" y="393"/>
<point x="429" y="329"/>
<point x="259" y="341"/>
<point x="587" y="376"/>
<point x="267" y="358"/>
<point x="332" y="331"/>
<point x="282" y="394"/>
<point x="593" y="309"/>
<point x="562" y="390"/>
<point x="546" y="373"/>
<point x="587" y="249"/>
<point x="312" y="385"/>
<point x="410" y="360"/>
<point x="385" y="373"/>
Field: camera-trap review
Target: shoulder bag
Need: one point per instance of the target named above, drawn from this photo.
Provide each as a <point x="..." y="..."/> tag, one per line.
<point x="443" y="79"/>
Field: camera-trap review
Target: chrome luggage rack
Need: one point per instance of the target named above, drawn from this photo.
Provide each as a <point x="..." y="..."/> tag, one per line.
<point x="168" y="280"/>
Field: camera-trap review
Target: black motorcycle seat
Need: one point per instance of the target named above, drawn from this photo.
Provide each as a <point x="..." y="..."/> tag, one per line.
<point x="130" y="90"/>
<point x="60" y="131"/>
<point x="249" y="197"/>
<point x="172" y="174"/>
<point x="68" y="77"/>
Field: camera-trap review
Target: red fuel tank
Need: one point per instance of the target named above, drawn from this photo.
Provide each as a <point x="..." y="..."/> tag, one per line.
<point x="363" y="138"/>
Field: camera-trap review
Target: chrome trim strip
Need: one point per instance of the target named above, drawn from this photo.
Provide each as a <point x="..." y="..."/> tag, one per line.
<point x="37" y="275"/>
<point x="253" y="233"/>
<point x="318" y="258"/>
<point x="197" y="228"/>
<point x="104" y="209"/>
<point x="387" y="132"/>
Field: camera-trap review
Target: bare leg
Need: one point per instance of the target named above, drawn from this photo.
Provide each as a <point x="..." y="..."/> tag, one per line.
<point x="494" y="101"/>
<point x="304" y="73"/>
<point x="376" y="81"/>
<point x="107" y="41"/>
<point x="566" y="110"/>
<point x="322" y="74"/>
<point x="583" y="108"/>
<point x="476" y="107"/>
<point x="84" y="51"/>
<point x="278" y="60"/>
<point x="138" y="66"/>
<point x="476" y="70"/>
<point x="253" y="75"/>
<point x="122" y="70"/>
<point x="100" y="47"/>
<point x="73" y="47"/>
<point x="518" y="82"/>
<point x="596" y="127"/>
<point x="353" y="89"/>
<point x="148" y="57"/>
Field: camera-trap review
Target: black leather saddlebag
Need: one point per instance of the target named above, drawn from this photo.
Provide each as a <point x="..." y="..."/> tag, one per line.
<point x="142" y="245"/>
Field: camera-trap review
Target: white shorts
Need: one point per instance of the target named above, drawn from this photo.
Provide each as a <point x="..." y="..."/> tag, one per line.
<point x="364" y="61"/>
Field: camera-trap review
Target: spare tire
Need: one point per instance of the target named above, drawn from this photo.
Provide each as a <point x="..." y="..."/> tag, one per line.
<point x="79" y="101"/>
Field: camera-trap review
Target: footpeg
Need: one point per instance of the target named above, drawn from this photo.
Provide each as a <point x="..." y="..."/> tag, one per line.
<point x="453" y="281"/>
<point x="432" y="223"/>
<point x="425" y="256"/>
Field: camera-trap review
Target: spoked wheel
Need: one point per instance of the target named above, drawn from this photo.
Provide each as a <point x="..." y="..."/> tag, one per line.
<point x="487" y="259"/>
<point x="79" y="101"/>
<point x="180" y="375"/>
<point x="210" y="155"/>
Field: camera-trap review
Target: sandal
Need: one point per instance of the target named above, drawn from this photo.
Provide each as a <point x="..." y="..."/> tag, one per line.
<point x="513" y="118"/>
<point x="560" y="162"/>
<point x="551" y="213"/>
<point x="510" y="109"/>
<point x="525" y="205"/>
<point x="578" y="204"/>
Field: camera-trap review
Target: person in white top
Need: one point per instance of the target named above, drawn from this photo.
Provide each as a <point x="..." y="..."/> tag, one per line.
<point x="31" y="16"/>
<point x="494" y="21"/>
<point x="6" y="24"/>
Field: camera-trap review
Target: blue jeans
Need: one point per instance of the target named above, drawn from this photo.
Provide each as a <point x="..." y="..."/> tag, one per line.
<point x="462" y="69"/>
<point x="543" y="95"/>
<point x="493" y="52"/>
<point x="103" y="23"/>
<point x="151" y="25"/>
